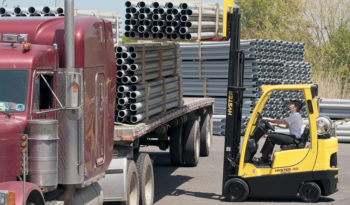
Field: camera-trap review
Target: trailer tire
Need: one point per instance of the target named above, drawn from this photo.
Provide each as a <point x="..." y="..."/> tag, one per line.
<point x="206" y="134"/>
<point x="191" y="143"/>
<point x="309" y="192"/>
<point x="176" y="145"/>
<point x="146" y="179"/>
<point x="132" y="185"/>
<point x="236" y="189"/>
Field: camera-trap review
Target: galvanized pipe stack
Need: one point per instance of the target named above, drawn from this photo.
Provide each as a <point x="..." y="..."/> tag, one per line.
<point x="31" y="11"/>
<point x="185" y="21"/>
<point x="205" y="67"/>
<point x="59" y="11"/>
<point x="342" y="131"/>
<point x="148" y="82"/>
<point x="335" y="108"/>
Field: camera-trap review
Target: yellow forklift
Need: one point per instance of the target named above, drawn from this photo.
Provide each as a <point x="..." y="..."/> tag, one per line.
<point x="306" y="170"/>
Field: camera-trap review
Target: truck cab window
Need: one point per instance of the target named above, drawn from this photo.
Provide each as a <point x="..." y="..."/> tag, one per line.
<point x="43" y="97"/>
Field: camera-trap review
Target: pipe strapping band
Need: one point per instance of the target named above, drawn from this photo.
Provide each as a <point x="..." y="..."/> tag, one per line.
<point x="205" y="87"/>
<point x="164" y="95"/>
<point x="200" y="60"/>
<point x="147" y="98"/>
<point x="217" y="20"/>
<point x="160" y="61"/>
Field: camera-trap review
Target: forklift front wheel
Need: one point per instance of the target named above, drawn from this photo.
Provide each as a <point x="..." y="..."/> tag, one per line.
<point x="309" y="192"/>
<point x="236" y="189"/>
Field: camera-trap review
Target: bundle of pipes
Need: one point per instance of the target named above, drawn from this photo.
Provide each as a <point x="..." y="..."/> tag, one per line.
<point x="342" y="131"/>
<point x="59" y="11"/>
<point x="137" y="102"/>
<point x="31" y="11"/>
<point x="205" y="67"/>
<point x="219" y="124"/>
<point x="148" y="81"/>
<point x="142" y="62"/>
<point x="185" y="21"/>
<point x="335" y="108"/>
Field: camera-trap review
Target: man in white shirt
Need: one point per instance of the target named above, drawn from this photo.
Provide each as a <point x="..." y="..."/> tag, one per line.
<point x="294" y="122"/>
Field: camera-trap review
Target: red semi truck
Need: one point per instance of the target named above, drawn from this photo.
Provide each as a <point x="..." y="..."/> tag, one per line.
<point x="59" y="143"/>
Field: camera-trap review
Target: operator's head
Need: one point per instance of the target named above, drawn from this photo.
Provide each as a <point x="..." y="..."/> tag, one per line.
<point x="295" y="105"/>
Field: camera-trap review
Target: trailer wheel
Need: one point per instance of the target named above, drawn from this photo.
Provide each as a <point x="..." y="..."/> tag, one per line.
<point x="206" y="134"/>
<point x="191" y="143"/>
<point x="236" y="189"/>
<point x="132" y="185"/>
<point x="176" y="149"/>
<point x="146" y="179"/>
<point x="309" y="192"/>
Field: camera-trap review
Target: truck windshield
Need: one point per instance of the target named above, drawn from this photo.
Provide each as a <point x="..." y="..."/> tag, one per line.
<point x="13" y="90"/>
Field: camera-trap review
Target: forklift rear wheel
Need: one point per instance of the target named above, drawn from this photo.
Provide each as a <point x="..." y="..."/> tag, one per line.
<point x="191" y="143"/>
<point x="132" y="185"/>
<point x="146" y="179"/>
<point x="236" y="189"/>
<point x="176" y="150"/>
<point x="206" y="134"/>
<point x="309" y="192"/>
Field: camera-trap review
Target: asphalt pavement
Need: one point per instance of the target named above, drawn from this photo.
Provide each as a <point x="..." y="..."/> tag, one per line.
<point x="202" y="184"/>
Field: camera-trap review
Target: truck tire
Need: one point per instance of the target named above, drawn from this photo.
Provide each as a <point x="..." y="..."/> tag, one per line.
<point x="176" y="146"/>
<point x="35" y="198"/>
<point x="191" y="143"/>
<point x="132" y="185"/>
<point x="206" y="134"/>
<point x="146" y="179"/>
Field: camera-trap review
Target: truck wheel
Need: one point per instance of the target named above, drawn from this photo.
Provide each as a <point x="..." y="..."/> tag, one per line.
<point x="206" y="134"/>
<point x="146" y="179"/>
<point x="309" y="192"/>
<point x="132" y="185"/>
<point x="191" y="143"/>
<point x="236" y="189"/>
<point x="35" y="198"/>
<point x="176" y="150"/>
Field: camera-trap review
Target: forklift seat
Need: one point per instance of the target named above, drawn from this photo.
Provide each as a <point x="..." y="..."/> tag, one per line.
<point x="299" y="143"/>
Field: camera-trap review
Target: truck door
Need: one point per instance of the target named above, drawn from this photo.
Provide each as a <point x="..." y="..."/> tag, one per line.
<point x="100" y="123"/>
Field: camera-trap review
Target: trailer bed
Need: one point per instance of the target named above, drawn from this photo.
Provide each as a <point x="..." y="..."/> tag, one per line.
<point x="130" y="132"/>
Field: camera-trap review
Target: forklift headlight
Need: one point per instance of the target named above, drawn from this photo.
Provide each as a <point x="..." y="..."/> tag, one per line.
<point x="324" y="125"/>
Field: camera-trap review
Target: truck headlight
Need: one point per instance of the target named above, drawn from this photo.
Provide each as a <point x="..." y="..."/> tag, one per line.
<point x="324" y="125"/>
<point x="7" y="197"/>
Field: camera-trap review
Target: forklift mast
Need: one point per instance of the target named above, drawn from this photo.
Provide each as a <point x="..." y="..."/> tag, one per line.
<point x="234" y="99"/>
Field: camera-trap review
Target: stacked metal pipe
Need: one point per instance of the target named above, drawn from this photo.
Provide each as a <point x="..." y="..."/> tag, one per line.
<point x="148" y="82"/>
<point x="335" y="108"/>
<point x="59" y="11"/>
<point x="342" y="131"/>
<point x="31" y="11"/>
<point x="205" y="67"/>
<point x="185" y="21"/>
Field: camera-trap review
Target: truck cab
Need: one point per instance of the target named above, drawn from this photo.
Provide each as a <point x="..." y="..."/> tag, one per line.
<point x="56" y="121"/>
<point x="23" y="94"/>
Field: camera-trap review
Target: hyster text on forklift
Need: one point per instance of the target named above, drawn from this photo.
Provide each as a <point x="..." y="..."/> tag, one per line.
<point x="59" y="143"/>
<point x="307" y="169"/>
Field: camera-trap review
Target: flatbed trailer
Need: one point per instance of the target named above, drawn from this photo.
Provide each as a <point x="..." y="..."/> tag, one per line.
<point x="127" y="132"/>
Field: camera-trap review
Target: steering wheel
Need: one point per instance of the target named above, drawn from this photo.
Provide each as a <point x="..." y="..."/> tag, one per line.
<point x="267" y="124"/>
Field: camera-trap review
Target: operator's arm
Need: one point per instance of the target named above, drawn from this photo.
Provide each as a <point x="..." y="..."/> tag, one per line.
<point x="281" y="123"/>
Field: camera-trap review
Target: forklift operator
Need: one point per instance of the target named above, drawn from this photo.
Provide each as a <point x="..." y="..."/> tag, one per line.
<point x="294" y="122"/>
